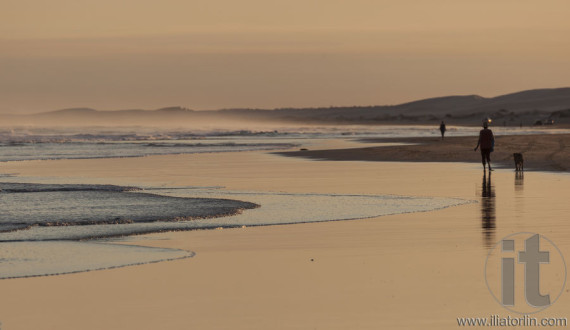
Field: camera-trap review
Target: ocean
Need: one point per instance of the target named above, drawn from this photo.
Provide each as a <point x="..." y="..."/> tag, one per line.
<point x="29" y="143"/>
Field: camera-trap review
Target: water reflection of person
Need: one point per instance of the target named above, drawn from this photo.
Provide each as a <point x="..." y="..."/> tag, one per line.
<point x="519" y="193"/>
<point x="519" y="181"/>
<point x="488" y="215"/>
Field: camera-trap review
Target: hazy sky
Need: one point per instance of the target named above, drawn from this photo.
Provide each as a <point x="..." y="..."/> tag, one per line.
<point x="209" y="54"/>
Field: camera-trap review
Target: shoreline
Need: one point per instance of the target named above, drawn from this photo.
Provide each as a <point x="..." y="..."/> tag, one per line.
<point x="542" y="152"/>
<point x="362" y="274"/>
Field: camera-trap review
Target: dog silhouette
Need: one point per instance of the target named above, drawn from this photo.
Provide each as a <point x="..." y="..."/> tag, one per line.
<point x="519" y="161"/>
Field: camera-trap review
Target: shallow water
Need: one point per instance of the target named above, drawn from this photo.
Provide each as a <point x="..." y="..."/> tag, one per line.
<point x="27" y="205"/>
<point x="28" y="259"/>
<point x="34" y="244"/>
<point x="88" y="215"/>
<point x="85" y="150"/>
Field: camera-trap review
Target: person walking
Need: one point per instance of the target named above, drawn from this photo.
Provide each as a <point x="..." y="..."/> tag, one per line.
<point x="442" y="129"/>
<point x="487" y="143"/>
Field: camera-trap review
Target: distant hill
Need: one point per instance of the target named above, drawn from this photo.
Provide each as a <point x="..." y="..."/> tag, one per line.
<point x="525" y="107"/>
<point x="69" y="111"/>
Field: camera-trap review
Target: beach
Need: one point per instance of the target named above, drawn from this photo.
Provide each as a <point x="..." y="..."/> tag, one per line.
<point x="402" y="271"/>
<point x="546" y="152"/>
<point x="282" y="165"/>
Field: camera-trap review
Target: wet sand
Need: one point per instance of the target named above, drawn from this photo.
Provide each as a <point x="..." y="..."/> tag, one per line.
<point x="408" y="271"/>
<point x="547" y="152"/>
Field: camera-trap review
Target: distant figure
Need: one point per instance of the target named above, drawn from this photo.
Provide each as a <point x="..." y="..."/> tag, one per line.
<point x="442" y="129"/>
<point x="486" y="142"/>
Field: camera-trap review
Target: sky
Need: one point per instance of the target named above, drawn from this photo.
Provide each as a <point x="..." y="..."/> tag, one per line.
<point x="212" y="54"/>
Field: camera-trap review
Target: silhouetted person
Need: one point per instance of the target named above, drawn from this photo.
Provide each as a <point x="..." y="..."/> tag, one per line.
<point x="488" y="214"/>
<point x="442" y="129"/>
<point x="486" y="142"/>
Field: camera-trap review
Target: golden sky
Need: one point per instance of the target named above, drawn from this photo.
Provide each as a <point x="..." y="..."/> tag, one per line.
<point x="229" y="53"/>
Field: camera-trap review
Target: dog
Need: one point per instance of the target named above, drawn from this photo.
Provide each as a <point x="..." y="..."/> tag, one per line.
<point x="519" y="161"/>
